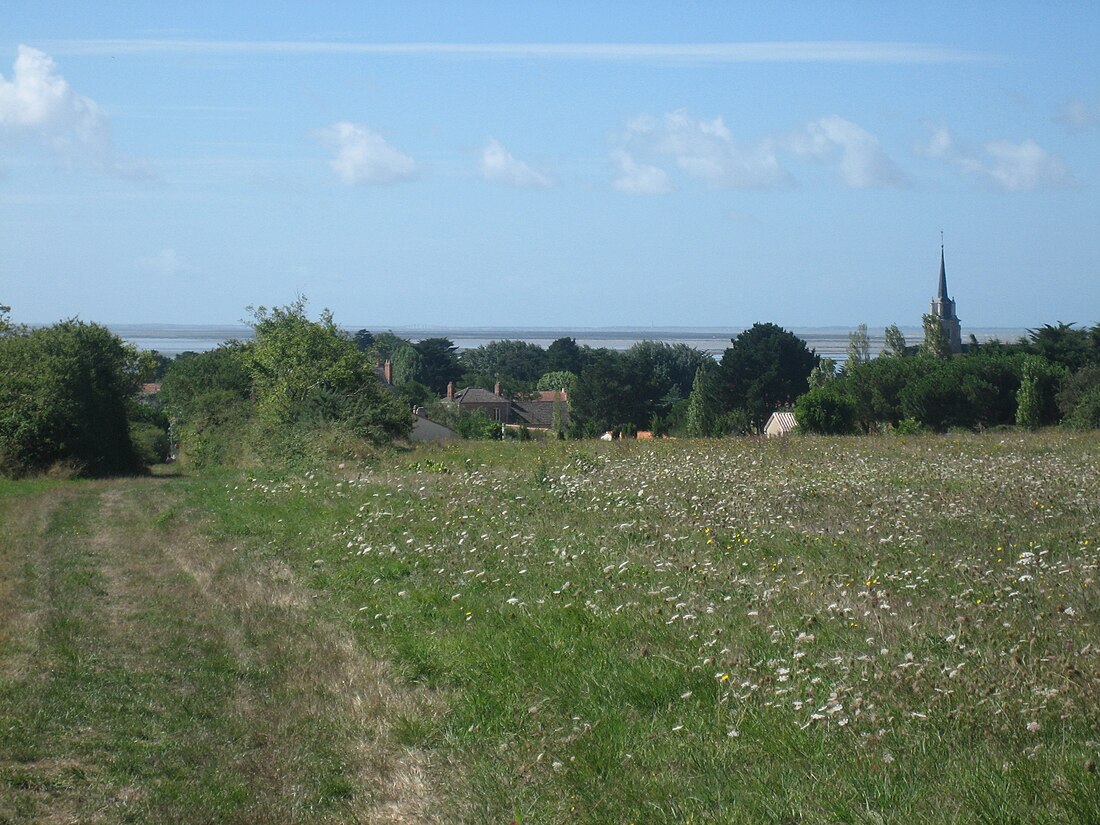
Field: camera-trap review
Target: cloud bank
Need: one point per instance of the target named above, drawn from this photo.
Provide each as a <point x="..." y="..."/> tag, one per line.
<point x="363" y="157"/>
<point x="1000" y="164"/>
<point x="708" y="151"/>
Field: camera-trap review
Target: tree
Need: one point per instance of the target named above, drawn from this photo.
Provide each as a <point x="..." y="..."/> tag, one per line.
<point x="823" y="373"/>
<point x="438" y="364"/>
<point x="1029" y="403"/>
<point x="406" y="363"/>
<point x="859" y="347"/>
<point x="563" y="354"/>
<point x="364" y="340"/>
<point x="826" y="410"/>
<point x="64" y="397"/>
<point x="894" y="342"/>
<point x="766" y="367"/>
<point x="558" y="380"/>
<point x="1062" y="344"/>
<point x="305" y="372"/>
<point x="603" y="396"/>
<point x="208" y="398"/>
<point x="935" y="343"/>
<point x="704" y="403"/>
<point x="520" y="361"/>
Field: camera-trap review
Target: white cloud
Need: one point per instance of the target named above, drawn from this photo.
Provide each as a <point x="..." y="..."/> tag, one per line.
<point x="1010" y="167"/>
<point x="1079" y="114"/>
<point x="363" y="156"/>
<point x="639" y="178"/>
<point x="39" y="106"/>
<point x="863" y="164"/>
<point x="706" y="149"/>
<point x="498" y="165"/>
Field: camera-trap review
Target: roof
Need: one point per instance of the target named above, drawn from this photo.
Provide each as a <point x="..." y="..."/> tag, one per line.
<point x="476" y="395"/>
<point x="537" y="414"/>
<point x="942" y="294"/>
<point x="781" y="422"/>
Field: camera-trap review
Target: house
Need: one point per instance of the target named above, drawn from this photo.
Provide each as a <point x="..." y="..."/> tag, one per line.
<point x="546" y="411"/>
<point x="495" y="406"/>
<point x="779" y="424"/>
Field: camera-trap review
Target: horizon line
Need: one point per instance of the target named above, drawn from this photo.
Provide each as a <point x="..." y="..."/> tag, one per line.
<point x="805" y="51"/>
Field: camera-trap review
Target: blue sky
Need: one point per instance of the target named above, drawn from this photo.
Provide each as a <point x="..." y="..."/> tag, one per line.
<point x="550" y="164"/>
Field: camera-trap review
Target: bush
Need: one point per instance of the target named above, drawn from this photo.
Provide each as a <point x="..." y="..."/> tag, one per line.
<point x="64" y="393"/>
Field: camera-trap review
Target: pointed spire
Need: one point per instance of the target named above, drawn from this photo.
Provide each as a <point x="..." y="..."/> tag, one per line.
<point x="942" y="294"/>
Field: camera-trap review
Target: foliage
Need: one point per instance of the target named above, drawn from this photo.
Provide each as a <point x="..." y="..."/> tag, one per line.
<point x="364" y="340"/>
<point x="520" y="361"/>
<point x="307" y="371"/>
<point x="1064" y="345"/>
<point x="859" y="347"/>
<point x="822" y="373"/>
<point x="704" y="402"/>
<point x="1076" y="388"/>
<point x="765" y="368"/>
<point x="64" y="395"/>
<point x="603" y="396"/>
<point x="935" y="343"/>
<point x="1028" y="401"/>
<point x="406" y="363"/>
<point x="476" y="425"/>
<point x="438" y="364"/>
<point x="557" y="381"/>
<point x="208" y="397"/>
<point x="894" y="342"/>
<point x="826" y="410"/>
<point x="564" y="355"/>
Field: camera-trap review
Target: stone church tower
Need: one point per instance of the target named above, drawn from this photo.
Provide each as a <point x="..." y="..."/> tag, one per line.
<point x="943" y="308"/>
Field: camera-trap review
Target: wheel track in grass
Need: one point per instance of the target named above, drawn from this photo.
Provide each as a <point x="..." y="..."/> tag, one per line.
<point x="148" y="673"/>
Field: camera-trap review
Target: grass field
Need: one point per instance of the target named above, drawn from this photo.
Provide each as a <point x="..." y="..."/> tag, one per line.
<point x="803" y="631"/>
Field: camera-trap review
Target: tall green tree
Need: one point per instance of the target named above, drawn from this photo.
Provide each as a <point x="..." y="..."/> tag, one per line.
<point x="306" y="371"/>
<point x="859" y="347"/>
<point x="520" y="361"/>
<point x="564" y="354"/>
<point x="935" y="343"/>
<point x="65" y="392"/>
<point x="438" y="364"/>
<point x="765" y="368"/>
<point x="894" y="342"/>
<point x="704" y="402"/>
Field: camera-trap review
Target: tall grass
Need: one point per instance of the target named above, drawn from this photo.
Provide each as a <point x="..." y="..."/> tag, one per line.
<point x="814" y="630"/>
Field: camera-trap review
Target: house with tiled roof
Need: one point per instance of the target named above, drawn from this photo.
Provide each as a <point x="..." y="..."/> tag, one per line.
<point x="546" y="411"/>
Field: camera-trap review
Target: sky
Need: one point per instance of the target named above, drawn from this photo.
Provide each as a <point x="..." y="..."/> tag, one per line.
<point x="554" y="164"/>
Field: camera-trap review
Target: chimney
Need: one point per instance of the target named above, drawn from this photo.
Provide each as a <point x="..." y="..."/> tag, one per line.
<point x="450" y="390"/>
<point x="496" y="389"/>
<point x="387" y="371"/>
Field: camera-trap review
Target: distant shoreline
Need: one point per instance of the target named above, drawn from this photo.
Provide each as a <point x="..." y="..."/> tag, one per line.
<point x="829" y="341"/>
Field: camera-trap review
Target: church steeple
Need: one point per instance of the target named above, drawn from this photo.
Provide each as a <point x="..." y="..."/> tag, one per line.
<point x="944" y="309"/>
<point x="942" y="295"/>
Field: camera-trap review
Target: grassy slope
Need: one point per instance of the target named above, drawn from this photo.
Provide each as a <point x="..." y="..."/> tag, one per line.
<point x="818" y="630"/>
<point x="147" y="675"/>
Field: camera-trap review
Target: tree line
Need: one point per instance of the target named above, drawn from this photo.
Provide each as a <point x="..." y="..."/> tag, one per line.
<point x="302" y="388"/>
<point x="1048" y="377"/>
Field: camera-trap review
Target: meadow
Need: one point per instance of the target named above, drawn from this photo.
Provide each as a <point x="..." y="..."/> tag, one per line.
<point x="807" y="630"/>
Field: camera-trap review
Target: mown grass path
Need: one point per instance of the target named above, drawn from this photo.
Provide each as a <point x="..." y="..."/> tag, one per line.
<point x="148" y="674"/>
